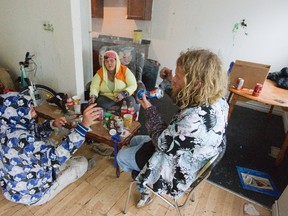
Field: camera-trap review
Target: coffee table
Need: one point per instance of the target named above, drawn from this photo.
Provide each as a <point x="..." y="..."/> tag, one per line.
<point x="97" y="133"/>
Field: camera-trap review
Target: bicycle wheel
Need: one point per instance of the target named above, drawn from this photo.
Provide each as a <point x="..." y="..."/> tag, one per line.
<point x="41" y="93"/>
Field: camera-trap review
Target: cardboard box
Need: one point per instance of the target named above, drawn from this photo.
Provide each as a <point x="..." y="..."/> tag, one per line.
<point x="251" y="72"/>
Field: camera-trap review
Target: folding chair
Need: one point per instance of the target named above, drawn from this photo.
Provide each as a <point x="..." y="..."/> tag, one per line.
<point x="202" y="175"/>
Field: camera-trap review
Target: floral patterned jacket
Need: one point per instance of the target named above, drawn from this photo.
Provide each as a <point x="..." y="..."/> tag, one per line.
<point x="193" y="136"/>
<point x="27" y="163"/>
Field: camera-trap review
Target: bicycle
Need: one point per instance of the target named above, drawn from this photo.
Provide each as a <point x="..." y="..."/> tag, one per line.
<point x="39" y="93"/>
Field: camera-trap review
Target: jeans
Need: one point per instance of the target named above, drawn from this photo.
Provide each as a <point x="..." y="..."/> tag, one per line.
<point x="126" y="156"/>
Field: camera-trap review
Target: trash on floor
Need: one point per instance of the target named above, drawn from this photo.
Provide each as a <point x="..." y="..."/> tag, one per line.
<point x="274" y="151"/>
<point x="250" y="210"/>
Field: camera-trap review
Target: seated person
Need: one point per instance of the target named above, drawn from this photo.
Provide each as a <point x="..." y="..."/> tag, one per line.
<point x="32" y="171"/>
<point x="172" y="155"/>
<point x="113" y="83"/>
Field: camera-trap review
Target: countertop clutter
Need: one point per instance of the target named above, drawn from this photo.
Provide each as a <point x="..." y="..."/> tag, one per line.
<point x="114" y="40"/>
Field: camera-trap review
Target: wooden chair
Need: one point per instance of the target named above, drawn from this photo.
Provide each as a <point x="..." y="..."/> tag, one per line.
<point x="201" y="176"/>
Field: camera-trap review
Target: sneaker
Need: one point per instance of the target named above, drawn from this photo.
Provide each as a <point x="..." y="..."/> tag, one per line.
<point x="145" y="199"/>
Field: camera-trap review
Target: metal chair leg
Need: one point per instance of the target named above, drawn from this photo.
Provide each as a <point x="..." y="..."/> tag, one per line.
<point x="177" y="208"/>
<point x="128" y="197"/>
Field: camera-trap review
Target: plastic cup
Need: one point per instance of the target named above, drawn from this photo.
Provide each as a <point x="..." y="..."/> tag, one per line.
<point x="77" y="108"/>
<point x="127" y="120"/>
<point x="76" y="100"/>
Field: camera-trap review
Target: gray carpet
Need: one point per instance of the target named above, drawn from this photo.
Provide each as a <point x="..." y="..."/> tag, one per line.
<point x="249" y="137"/>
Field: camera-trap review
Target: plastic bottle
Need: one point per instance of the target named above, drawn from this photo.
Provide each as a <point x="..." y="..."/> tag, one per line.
<point x="131" y="109"/>
<point x="69" y="103"/>
<point x="153" y="94"/>
<point x="124" y="108"/>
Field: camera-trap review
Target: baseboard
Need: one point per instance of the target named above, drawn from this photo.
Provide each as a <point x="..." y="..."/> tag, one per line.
<point x="275" y="209"/>
<point x="265" y="108"/>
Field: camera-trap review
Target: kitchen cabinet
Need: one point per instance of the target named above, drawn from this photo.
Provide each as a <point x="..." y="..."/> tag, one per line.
<point x="139" y="9"/>
<point x="97" y="8"/>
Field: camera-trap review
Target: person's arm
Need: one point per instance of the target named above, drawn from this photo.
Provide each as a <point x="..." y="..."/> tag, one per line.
<point x="166" y="75"/>
<point x="95" y="86"/>
<point x="154" y="123"/>
<point x="43" y="130"/>
<point x="71" y="142"/>
<point x="131" y="82"/>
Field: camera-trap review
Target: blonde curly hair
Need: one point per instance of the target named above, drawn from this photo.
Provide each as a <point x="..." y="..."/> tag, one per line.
<point x="206" y="81"/>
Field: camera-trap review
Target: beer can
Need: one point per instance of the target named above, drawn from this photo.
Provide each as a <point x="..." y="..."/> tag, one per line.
<point x="257" y="89"/>
<point x="101" y="116"/>
<point x="153" y="94"/>
<point x="240" y="83"/>
<point x="119" y="124"/>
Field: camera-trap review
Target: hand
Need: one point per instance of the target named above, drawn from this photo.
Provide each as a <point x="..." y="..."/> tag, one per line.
<point x="166" y="73"/>
<point x="59" y="122"/>
<point x="119" y="97"/>
<point x="144" y="102"/>
<point x="90" y="114"/>
<point x="92" y="100"/>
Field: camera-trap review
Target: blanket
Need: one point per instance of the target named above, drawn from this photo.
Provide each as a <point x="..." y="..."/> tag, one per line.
<point x="281" y="77"/>
<point x="5" y="81"/>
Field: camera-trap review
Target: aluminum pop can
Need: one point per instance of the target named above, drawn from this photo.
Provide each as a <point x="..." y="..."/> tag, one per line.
<point x="153" y="94"/>
<point x="257" y="89"/>
<point x="119" y="124"/>
<point x="101" y="116"/>
<point x="240" y="83"/>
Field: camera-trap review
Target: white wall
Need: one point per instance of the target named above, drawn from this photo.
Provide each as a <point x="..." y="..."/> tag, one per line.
<point x="58" y="54"/>
<point x="177" y="25"/>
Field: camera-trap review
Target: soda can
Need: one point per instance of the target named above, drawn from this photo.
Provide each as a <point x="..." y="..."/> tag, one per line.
<point x="119" y="124"/>
<point x="101" y="116"/>
<point x="257" y="89"/>
<point x="240" y="83"/>
<point x="153" y="94"/>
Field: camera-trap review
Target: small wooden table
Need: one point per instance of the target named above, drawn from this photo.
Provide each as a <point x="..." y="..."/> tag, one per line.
<point x="97" y="133"/>
<point x="271" y="95"/>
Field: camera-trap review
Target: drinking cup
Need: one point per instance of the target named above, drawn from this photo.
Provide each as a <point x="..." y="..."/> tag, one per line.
<point x="127" y="120"/>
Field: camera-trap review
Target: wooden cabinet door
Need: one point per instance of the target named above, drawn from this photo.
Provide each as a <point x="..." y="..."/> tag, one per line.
<point x="139" y="9"/>
<point x="97" y="8"/>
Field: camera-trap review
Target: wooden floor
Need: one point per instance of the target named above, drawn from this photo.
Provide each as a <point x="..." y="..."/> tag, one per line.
<point x="99" y="192"/>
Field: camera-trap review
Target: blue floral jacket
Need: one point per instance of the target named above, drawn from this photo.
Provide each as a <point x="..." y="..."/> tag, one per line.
<point x="27" y="164"/>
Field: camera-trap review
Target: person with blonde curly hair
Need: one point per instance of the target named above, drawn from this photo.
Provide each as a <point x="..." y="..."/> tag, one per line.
<point x="171" y="156"/>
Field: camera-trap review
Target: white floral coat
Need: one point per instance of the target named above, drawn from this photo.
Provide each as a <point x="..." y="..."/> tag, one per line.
<point x="193" y="136"/>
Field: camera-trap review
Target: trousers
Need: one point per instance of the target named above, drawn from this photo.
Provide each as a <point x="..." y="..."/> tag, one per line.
<point x="69" y="172"/>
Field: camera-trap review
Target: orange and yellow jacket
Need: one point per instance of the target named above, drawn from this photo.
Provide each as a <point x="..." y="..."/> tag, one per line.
<point x="124" y="80"/>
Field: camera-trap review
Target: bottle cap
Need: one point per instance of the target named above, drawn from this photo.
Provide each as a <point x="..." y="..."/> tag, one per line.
<point x="112" y="132"/>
